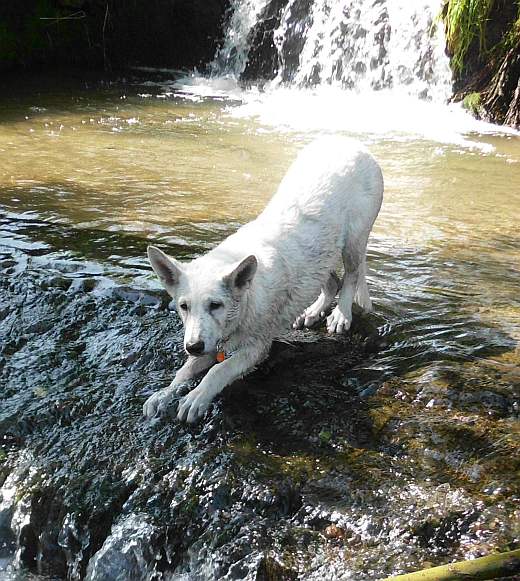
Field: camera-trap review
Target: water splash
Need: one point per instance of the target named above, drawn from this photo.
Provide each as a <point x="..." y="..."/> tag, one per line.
<point x="354" y="66"/>
<point x="231" y="58"/>
<point x="353" y="44"/>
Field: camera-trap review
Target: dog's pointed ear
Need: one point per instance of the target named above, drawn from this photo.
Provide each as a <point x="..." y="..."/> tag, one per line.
<point x="167" y="269"/>
<point x="241" y="276"/>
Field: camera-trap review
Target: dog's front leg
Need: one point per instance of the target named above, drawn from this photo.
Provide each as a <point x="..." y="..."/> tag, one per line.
<point x="194" y="405"/>
<point x="158" y="403"/>
<point x="192" y="367"/>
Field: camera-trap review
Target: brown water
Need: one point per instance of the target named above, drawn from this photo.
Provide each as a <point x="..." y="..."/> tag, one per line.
<point x="116" y="157"/>
<point x="91" y="172"/>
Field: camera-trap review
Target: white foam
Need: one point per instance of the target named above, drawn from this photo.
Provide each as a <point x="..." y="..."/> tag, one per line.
<point x="390" y="113"/>
<point x="392" y="54"/>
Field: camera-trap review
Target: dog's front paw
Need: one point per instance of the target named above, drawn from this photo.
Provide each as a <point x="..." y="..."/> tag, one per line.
<point x="158" y="404"/>
<point x="337" y="322"/>
<point x="298" y="323"/>
<point x="194" y="405"/>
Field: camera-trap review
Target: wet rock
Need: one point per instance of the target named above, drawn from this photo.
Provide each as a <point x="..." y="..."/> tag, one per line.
<point x="127" y="553"/>
<point x="290" y="474"/>
<point x="445" y="532"/>
<point x="271" y="570"/>
<point x="263" y="60"/>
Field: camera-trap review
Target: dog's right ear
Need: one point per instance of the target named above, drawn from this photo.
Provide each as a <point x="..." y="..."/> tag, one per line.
<point x="242" y="274"/>
<point x="167" y="269"/>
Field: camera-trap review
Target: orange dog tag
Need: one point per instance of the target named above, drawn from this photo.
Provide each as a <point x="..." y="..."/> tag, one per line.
<point x="221" y="356"/>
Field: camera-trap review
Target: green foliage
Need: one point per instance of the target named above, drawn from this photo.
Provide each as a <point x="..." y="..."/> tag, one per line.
<point x="512" y="38"/>
<point x="465" y="20"/>
<point x="471" y="102"/>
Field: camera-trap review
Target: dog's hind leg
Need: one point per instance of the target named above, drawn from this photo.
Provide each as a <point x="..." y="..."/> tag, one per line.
<point x="354" y="284"/>
<point x="362" y="296"/>
<point x="316" y="311"/>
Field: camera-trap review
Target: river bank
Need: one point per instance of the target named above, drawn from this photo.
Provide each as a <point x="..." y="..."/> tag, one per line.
<point x="485" y="56"/>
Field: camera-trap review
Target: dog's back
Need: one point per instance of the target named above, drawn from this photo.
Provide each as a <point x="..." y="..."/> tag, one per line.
<point x="328" y="199"/>
<point x="330" y="178"/>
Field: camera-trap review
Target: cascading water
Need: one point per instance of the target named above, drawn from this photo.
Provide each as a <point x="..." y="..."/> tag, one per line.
<point x="352" y="44"/>
<point x="361" y="67"/>
<point x="231" y="58"/>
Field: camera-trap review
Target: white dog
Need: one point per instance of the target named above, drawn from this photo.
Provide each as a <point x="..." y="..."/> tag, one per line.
<point x="238" y="297"/>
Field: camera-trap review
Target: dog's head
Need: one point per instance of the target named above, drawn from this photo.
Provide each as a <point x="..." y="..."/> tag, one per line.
<point x="208" y="296"/>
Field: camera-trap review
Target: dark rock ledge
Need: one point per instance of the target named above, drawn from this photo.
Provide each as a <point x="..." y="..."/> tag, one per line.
<point x="291" y="475"/>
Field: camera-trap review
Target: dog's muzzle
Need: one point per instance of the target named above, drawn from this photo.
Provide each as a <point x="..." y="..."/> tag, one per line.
<point x="195" y="348"/>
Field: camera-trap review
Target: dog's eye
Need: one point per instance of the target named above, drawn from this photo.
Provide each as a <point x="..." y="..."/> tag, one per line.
<point x="183" y="306"/>
<point x="214" y="305"/>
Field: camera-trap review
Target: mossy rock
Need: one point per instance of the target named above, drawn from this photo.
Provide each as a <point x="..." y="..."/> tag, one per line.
<point x="472" y="103"/>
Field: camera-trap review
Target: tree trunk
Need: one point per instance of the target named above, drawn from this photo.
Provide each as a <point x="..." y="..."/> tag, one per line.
<point x="490" y="567"/>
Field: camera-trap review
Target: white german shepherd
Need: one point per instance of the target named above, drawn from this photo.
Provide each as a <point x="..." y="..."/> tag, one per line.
<point x="238" y="297"/>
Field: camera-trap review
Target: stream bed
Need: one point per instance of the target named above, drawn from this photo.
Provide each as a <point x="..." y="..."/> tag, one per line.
<point x="393" y="448"/>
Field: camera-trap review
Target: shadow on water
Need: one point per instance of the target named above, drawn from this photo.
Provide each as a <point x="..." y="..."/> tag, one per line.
<point x="292" y="469"/>
<point x="76" y="91"/>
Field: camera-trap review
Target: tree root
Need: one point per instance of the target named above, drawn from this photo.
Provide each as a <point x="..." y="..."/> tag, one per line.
<point x="489" y="567"/>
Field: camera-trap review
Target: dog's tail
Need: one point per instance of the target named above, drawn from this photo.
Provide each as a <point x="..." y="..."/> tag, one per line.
<point x="362" y="296"/>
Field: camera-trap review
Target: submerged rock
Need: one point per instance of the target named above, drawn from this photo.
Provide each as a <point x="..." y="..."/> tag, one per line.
<point x="292" y="474"/>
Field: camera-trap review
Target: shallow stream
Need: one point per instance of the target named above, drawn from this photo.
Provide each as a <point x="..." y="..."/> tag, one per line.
<point x="404" y="437"/>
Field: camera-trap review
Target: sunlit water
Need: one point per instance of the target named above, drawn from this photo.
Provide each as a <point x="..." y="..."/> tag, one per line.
<point x="82" y="161"/>
<point x="91" y="172"/>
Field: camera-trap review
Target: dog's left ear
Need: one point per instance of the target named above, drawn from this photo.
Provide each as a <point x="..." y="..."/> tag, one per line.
<point x="242" y="275"/>
<point x="166" y="268"/>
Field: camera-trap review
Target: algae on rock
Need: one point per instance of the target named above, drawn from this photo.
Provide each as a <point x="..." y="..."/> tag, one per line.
<point x="483" y="37"/>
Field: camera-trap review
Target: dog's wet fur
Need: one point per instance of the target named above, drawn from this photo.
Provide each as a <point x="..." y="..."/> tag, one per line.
<point x="261" y="280"/>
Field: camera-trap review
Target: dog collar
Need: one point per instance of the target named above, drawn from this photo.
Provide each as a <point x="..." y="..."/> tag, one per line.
<point x="221" y="353"/>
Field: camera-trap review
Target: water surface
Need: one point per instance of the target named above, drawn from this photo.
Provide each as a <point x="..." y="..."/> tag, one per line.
<point x="93" y="170"/>
<point x="84" y="160"/>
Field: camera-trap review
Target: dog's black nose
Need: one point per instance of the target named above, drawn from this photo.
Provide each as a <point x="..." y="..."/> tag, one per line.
<point x="195" y="348"/>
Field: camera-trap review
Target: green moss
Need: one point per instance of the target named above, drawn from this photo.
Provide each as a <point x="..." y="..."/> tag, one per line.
<point x="471" y="102"/>
<point x="465" y="20"/>
<point x="325" y="436"/>
<point x="299" y="467"/>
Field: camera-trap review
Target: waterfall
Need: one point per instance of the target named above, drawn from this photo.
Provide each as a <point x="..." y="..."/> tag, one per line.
<point x="352" y="44"/>
<point x="231" y="58"/>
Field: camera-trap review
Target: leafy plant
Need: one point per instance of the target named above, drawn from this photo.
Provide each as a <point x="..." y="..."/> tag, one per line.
<point x="465" y="19"/>
<point x="471" y="102"/>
